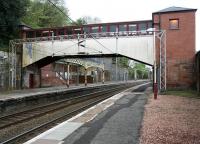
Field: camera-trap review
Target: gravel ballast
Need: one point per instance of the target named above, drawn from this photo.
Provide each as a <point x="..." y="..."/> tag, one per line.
<point x="171" y="119"/>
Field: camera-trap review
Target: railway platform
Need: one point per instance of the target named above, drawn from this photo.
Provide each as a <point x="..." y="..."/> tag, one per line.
<point x="18" y="94"/>
<point x="28" y="98"/>
<point x="116" y="120"/>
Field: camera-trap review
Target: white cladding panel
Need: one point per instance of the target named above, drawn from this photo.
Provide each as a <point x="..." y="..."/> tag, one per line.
<point x="139" y="48"/>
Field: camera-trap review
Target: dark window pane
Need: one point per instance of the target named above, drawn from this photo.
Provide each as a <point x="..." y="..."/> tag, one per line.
<point x="113" y="28"/>
<point x="150" y="25"/>
<point x="142" y="26"/>
<point x="69" y="31"/>
<point x="122" y="27"/>
<point x="104" y="28"/>
<point x="61" y="32"/>
<point x="30" y="34"/>
<point x="38" y="34"/>
<point x="95" y="29"/>
<point x="132" y="27"/>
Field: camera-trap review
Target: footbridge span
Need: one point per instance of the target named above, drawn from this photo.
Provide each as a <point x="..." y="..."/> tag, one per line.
<point x="134" y="45"/>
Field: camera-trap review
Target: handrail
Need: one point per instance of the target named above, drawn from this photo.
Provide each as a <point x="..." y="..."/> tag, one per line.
<point x="85" y="36"/>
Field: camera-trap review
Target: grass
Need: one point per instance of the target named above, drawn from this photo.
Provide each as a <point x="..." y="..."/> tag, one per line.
<point x="183" y="93"/>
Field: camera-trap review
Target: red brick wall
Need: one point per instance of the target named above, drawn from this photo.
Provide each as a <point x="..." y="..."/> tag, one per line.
<point x="48" y="77"/>
<point x="180" y="48"/>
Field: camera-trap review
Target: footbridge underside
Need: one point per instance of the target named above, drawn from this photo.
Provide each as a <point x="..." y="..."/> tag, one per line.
<point x="137" y="46"/>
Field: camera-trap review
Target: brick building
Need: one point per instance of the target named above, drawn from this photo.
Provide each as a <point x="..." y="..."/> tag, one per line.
<point x="179" y="24"/>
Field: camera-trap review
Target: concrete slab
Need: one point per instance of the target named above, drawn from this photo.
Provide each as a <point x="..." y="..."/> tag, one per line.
<point x="46" y="141"/>
<point x="61" y="132"/>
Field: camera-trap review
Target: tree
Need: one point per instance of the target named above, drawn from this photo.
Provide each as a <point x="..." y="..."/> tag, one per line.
<point x="124" y="62"/>
<point x="42" y="13"/>
<point x="11" y="13"/>
<point x="87" y="20"/>
<point x="141" y="70"/>
<point x="91" y="20"/>
<point x="81" y="21"/>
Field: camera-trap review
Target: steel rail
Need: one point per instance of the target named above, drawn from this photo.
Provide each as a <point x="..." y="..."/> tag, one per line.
<point x="42" y="110"/>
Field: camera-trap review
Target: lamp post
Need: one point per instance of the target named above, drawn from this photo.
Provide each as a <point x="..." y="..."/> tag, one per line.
<point x="116" y="67"/>
<point x="155" y="85"/>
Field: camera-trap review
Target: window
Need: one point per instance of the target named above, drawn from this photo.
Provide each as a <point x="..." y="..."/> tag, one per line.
<point x="104" y="28"/>
<point x="132" y="27"/>
<point x="113" y="28"/>
<point x="95" y="29"/>
<point x="150" y="25"/>
<point x="142" y="26"/>
<point x="61" y="32"/>
<point x="122" y="27"/>
<point x="30" y="34"/>
<point x="174" y="23"/>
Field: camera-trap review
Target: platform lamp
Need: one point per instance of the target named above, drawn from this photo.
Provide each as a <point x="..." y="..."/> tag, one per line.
<point x="155" y="84"/>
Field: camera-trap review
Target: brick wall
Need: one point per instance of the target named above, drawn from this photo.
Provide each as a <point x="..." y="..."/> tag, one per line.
<point x="180" y="48"/>
<point x="49" y="77"/>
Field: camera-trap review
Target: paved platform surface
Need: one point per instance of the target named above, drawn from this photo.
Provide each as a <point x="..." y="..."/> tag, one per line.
<point x="116" y="120"/>
<point x="38" y="91"/>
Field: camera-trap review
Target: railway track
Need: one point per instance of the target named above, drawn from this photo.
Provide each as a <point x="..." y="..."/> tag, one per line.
<point x="83" y="102"/>
<point x="19" y="117"/>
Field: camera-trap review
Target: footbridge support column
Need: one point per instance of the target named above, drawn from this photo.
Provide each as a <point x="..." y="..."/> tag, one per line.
<point x="103" y="76"/>
<point x="68" y="66"/>
<point x="85" y="77"/>
<point x="77" y="77"/>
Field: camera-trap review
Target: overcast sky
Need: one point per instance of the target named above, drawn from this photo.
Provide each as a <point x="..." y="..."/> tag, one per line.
<point x="128" y="10"/>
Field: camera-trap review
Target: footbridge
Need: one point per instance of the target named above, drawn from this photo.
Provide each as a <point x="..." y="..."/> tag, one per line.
<point x="134" y="45"/>
<point x="40" y="51"/>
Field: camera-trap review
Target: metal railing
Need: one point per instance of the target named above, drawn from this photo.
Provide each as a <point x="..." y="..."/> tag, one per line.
<point x="85" y="36"/>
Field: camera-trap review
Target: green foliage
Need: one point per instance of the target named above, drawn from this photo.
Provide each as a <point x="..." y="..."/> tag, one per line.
<point x="81" y="21"/>
<point x="11" y="12"/>
<point x="141" y="70"/>
<point x="123" y="61"/>
<point x="42" y="13"/>
<point x="89" y="20"/>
